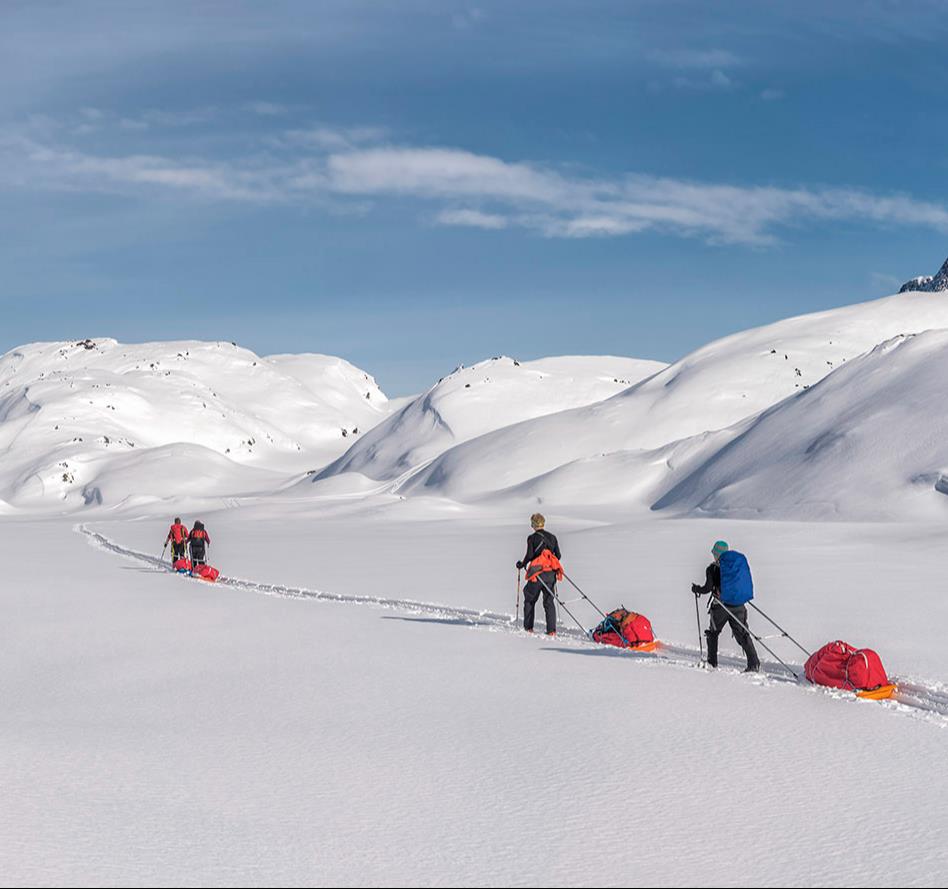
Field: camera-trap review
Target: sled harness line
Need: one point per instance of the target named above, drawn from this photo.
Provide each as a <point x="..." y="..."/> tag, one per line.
<point x="562" y="604"/>
<point x="783" y="632"/>
<point x="583" y="595"/>
<point x="757" y="638"/>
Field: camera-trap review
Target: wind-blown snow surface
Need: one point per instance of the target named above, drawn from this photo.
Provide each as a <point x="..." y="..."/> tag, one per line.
<point x="158" y="730"/>
<point x="475" y="400"/>
<point x="632" y="447"/>
<point x="100" y="422"/>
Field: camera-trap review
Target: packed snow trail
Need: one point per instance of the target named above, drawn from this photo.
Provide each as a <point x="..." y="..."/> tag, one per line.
<point x="916" y="698"/>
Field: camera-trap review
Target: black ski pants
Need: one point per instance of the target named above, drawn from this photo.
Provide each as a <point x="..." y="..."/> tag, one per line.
<point x="531" y="593"/>
<point x="178" y="549"/>
<point x="719" y="620"/>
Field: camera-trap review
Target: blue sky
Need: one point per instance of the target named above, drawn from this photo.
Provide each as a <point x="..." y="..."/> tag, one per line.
<point x="417" y="185"/>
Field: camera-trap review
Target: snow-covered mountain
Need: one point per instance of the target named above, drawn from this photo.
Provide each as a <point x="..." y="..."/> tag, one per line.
<point x="870" y="440"/>
<point x="739" y="427"/>
<point x="487" y="396"/>
<point x="928" y="283"/>
<point x="101" y="422"/>
<point x="633" y="446"/>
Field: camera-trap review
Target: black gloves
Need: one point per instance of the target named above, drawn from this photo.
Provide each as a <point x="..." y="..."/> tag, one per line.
<point x="519" y="565"/>
<point x="696" y="589"/>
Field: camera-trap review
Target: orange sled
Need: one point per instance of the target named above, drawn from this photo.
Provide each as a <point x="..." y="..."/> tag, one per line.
<point x="878" y="694"/>
<point x="654" y="645"/>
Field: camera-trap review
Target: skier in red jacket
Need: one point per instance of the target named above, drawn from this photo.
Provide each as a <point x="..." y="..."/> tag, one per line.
<point x="178" y="537"/>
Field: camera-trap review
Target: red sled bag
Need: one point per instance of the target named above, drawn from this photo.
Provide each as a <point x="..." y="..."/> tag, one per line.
<point x="206" y="572"/>
<point x="624" y="629"/>
<point x="182" y="565"/>
<point x="839" y="665"/>
<point x="865" y="671"/>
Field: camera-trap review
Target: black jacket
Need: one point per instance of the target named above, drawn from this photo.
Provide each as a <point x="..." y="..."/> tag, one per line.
<point x="539" y="541"/>
<point x="712" y="581"/>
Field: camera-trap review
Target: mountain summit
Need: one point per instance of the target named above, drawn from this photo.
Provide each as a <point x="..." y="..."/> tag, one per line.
<point x="929" y="283"/>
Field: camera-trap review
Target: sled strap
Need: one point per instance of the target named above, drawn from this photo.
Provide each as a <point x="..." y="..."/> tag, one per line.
<point x="767" y="617"/>
<point x="757" y="638"/>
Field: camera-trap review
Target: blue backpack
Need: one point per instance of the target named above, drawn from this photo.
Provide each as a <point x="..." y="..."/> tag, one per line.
<point x="737" y="587"/>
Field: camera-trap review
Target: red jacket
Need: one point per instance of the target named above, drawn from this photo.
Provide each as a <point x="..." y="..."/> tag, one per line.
<point x="178" y="533"/>
<point x="200" y="534"/>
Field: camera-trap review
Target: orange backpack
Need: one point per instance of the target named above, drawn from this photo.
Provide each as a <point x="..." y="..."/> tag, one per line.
<point x="543" y="563"/>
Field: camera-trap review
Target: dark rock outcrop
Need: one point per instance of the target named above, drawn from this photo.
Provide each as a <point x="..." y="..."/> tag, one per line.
<point x="929" y="283"/>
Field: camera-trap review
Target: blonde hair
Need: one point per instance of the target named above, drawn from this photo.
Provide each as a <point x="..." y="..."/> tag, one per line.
<point x="537" y="521"/>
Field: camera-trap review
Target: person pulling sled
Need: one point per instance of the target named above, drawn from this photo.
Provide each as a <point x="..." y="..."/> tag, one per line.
<point x="543" y="569"/>
<point x="728" y="580"/>
<point x="198" y="543"/>
<point x="178" y="538"/>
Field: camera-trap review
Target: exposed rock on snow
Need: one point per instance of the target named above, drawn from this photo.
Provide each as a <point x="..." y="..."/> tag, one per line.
<point x="928" y="283"/>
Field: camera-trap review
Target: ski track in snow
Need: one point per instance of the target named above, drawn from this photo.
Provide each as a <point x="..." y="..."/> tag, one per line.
<point x="918" y="698"/>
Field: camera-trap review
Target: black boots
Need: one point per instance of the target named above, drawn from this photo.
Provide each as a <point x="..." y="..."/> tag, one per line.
<point x="712" y="639"/>
<point x="747" y="644"/>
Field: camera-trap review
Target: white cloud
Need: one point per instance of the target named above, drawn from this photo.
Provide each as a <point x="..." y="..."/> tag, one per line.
<point x="443" y="172"/>
<point x="717" y="80"/>
<point x="548" y="201"/>
<point x="349" y="167"/>
<point x="331" y="138"/>
<point x="472" y="219"/>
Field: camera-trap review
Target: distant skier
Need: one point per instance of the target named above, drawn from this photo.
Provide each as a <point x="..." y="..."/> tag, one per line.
<point x="541" y="545"/>
<point x="199" y="541"/>
<point x="737" y="589"/>
<point x="178" y="537"/>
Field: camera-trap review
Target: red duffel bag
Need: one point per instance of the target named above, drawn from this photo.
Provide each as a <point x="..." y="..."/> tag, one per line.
<point x="839" y="665"/>
<point x="624" y="629"/>
<point x="182" y="565"/>
<point x="206" y="572"/>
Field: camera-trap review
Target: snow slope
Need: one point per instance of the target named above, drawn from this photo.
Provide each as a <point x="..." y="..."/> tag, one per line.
<point x="160" y="731"/>
<point x="632" y="446"/>
<point x="98" y="422"/>
<point x="870" y="441"/>
<point x="475" y="400"/>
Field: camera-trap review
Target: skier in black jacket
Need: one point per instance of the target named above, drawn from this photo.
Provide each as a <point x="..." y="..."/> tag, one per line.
<point x="719" y="617"/>
<point x="537" y="542"/>
<point x="198" y="542"/>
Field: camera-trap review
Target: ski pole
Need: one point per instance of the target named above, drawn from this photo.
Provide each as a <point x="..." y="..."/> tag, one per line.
<point x="161" y="558"/>
<point x="698" y="618"/>
<point x="578" y="590"/>
<point x="517" y="614"/>
<point x="560" y="601"/>
<point x="782" y="630"/>
<point x="757" y="638"/>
